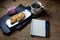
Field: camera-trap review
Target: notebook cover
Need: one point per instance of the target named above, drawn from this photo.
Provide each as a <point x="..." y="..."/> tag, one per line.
<point x="46" y="28"/>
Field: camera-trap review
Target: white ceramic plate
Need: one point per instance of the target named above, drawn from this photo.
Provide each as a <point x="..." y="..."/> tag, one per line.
<point x="27" y="13"/>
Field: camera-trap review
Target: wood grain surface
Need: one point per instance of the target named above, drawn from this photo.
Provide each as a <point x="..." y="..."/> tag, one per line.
<point x="52" y="7"/>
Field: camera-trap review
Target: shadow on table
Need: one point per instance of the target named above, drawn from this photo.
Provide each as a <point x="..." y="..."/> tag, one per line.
<point x="43" y="13"/>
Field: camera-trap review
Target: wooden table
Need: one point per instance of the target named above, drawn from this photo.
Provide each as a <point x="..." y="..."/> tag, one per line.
<point x="52" y="8"/>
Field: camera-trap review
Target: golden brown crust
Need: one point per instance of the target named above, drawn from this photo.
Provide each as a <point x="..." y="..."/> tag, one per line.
<point x="13" y="19"/>
<point x="17" y="17"/>
<point x="21" y="16"/>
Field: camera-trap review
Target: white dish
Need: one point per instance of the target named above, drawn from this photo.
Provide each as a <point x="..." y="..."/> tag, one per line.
<point x="27" y="13"/>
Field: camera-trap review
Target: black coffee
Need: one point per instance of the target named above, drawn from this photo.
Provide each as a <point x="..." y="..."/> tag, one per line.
<point x="35" y="5"/>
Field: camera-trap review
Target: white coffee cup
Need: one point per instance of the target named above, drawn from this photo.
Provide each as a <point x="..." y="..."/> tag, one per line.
<point x="36" y="10"/>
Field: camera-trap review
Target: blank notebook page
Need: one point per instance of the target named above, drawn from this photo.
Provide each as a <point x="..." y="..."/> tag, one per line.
<point x="38" y="28"/>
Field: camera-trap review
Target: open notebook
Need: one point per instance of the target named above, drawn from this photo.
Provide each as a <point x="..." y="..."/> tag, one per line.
<point x="38" y="28"/>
